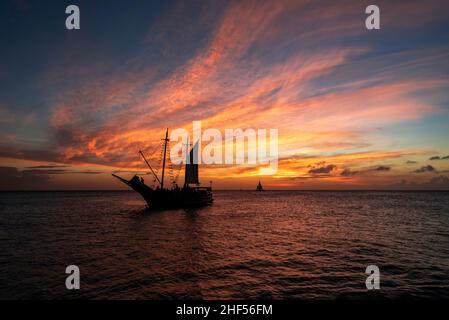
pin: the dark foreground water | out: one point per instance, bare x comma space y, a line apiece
297, 245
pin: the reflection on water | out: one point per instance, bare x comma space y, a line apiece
301, 245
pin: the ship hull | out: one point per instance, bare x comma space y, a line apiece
179, 198
187, 197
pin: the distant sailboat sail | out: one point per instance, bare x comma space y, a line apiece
259, 187
191, 173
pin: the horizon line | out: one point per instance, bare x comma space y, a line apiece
265, 190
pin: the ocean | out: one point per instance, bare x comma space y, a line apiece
247, 245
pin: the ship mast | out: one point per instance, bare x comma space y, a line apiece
163, 161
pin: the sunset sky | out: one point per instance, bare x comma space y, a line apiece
355, 109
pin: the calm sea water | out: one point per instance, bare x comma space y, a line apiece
296, 245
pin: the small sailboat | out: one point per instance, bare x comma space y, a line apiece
259, 187
160, 197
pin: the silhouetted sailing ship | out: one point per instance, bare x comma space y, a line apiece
259, 187
190, 195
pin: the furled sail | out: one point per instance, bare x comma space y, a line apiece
191, 173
